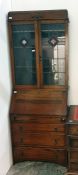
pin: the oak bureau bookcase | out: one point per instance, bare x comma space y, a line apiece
38, 43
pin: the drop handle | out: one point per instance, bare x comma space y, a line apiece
15, 92
63, 119
56, 129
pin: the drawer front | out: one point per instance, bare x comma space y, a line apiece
73, 156
73, 129
73, 142
37, 153
19, 128
38, 119
42, 139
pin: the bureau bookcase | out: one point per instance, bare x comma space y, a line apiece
38, 43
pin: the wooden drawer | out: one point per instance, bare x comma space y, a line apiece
37, 153
73, 141
73, 129
19, 128
73, 156
35, 138
37, 119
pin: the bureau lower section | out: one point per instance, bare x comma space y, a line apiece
37, 137
23, 153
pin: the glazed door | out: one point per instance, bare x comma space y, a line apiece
24, 55
52, 53
38, 54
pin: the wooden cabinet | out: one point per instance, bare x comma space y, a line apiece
39, 52
72, 137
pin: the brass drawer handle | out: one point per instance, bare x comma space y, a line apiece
55, 141
63, 119
15, 92
56, 129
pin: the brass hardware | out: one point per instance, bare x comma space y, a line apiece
63, 119
70, 121
56, 129
15, 92
10, 17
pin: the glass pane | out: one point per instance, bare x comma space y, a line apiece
53, 53
61, 50
24, 54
